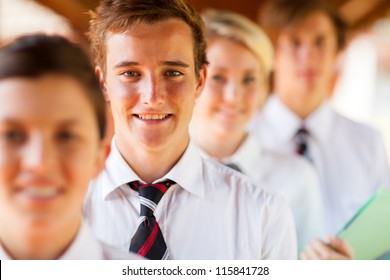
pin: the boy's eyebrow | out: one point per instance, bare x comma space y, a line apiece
19, 121
125, 64
176, 63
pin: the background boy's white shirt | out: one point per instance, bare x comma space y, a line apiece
349, 157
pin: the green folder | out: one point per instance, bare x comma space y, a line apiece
368, 232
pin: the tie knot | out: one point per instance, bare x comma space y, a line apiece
301, 140
150, 194
302, 131
233, 166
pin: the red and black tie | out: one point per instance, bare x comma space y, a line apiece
148, 240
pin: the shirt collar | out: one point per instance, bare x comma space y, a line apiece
280, 120
117, 172
187, 172
84, 246
319, 122
284, 123
245, 157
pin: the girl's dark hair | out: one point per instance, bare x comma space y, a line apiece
33, 56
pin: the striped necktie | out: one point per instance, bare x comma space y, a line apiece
148, 240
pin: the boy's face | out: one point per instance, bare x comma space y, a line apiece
151, 84
49, 151
305, 59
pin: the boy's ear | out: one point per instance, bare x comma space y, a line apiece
201, 80
99, 72
104, 152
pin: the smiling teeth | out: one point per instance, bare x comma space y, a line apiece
41, 192
152, 117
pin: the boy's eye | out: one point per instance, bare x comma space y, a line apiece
320, 41
130, 74
14, 136
173, 73
66, 136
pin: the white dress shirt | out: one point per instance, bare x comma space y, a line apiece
212, 212
292, 177
350, 158
86, 247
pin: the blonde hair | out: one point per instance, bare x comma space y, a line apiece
232, 26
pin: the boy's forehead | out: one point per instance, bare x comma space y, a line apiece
161, 30
315, 21
139, 28
159, 41
172, 32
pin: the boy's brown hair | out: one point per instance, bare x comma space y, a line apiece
276, 15
117, 16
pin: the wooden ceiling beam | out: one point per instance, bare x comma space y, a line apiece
247, 8
357, 13
354, 11
382, 10
72, 10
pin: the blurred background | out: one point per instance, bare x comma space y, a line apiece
361, 91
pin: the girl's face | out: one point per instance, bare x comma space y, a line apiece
49, 151
235, 88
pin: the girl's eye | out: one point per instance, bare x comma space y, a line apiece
218, 78
248, 80
296, 42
